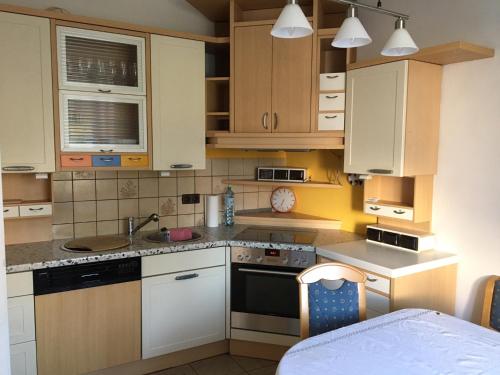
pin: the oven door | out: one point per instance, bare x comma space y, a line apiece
265, 298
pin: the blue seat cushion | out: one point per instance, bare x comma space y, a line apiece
331, 309
495, 307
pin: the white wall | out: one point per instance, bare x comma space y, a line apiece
467, 187
177, 15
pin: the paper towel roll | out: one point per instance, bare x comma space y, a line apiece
212, 211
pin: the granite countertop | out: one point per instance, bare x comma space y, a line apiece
38, 255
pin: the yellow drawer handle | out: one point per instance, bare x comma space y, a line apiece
135, 159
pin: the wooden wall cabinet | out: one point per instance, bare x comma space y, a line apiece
27, 131
178, 100
273, 79
392, 119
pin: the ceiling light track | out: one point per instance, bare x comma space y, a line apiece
381, 10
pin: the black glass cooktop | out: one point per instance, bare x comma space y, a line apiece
278, 235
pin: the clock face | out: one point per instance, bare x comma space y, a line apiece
283, 199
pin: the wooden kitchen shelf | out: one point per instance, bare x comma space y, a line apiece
311, 184
217, 113
217, 78
289, 219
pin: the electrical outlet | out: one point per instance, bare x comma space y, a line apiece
190, 198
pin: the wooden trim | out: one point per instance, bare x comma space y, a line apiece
311, 184
180, 358
488, 300
442, 54
104, 29
328, 271
108, 23
149, 101
257, 350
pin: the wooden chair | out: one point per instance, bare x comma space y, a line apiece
332, 295
491, 306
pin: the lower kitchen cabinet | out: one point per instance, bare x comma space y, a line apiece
183, 310
23, 358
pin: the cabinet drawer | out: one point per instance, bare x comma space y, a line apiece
377, 302
134, 160
332, 102
332, 81
23, 358
21, 319
35, 210
76, 161
106, 161
10, 212
331, 121
389, 211
19, 284
178, 262
378, 283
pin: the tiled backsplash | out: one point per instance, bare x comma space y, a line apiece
90, 203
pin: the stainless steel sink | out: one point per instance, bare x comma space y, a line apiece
162, 237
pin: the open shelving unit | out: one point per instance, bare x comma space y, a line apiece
217, 87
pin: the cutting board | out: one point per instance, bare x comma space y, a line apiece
99, 243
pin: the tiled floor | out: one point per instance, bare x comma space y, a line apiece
224, 365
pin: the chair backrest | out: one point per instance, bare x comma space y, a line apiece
323, 308
491, 305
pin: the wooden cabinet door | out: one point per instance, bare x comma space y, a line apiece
182, 310
292, 80
178, 96
27, 129
253, 79
375, 119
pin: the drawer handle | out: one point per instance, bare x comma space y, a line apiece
106, 150
106, 160
380, 171
264, 120
187, 277
332, 97
374, 208
275, 121
135, 159
6, 210
36, 209
399, 212
330, 117
104, 91
332, 77
18, 168
372, 280
76, 159
181, 166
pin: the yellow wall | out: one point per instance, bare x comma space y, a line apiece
345, 204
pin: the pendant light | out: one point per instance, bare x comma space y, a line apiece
352, 33
400, 43
292, 23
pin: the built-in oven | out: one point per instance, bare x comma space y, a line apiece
264, 289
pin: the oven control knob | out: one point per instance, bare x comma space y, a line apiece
259, 259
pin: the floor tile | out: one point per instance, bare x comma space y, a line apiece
221, 365
181, 370
264, 371
249, 364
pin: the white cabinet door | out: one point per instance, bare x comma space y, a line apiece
27, 129
375, 119
178, 97
23, 358
21, 319
182, 310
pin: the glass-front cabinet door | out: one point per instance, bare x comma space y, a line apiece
101, 62
102, 123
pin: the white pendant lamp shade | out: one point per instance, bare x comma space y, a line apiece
400, 43
352, 33
292, 23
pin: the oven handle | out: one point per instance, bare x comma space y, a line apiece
268, 272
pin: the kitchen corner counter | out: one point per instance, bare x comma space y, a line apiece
384, 260
39, 255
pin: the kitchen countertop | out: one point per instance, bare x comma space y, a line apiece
39, 255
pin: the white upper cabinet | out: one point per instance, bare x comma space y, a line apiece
375, 119
178, 101
27, 128
101, 62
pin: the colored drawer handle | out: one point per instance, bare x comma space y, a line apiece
380, 171
332, 77
134, 159
181, 166
332, 97
399, 212
7, 210
372, 280
374, 208
36, 209
76, 159
186, 277
330, 117
106, 150
18, 168
106, 160
104, 91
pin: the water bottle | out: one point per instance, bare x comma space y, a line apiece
229, 207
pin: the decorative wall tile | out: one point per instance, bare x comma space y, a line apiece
84, 175
167, 187
128, 188
107, 227
85, 211
185, 185
220, 167
85, 229
168, 206
107, 210
62, 191
148, 206
148, 187
106, 189
62, 213
83, 190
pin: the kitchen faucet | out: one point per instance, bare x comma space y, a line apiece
133, 230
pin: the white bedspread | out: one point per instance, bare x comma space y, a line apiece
405, 342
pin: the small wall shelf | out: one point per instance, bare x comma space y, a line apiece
312, 184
